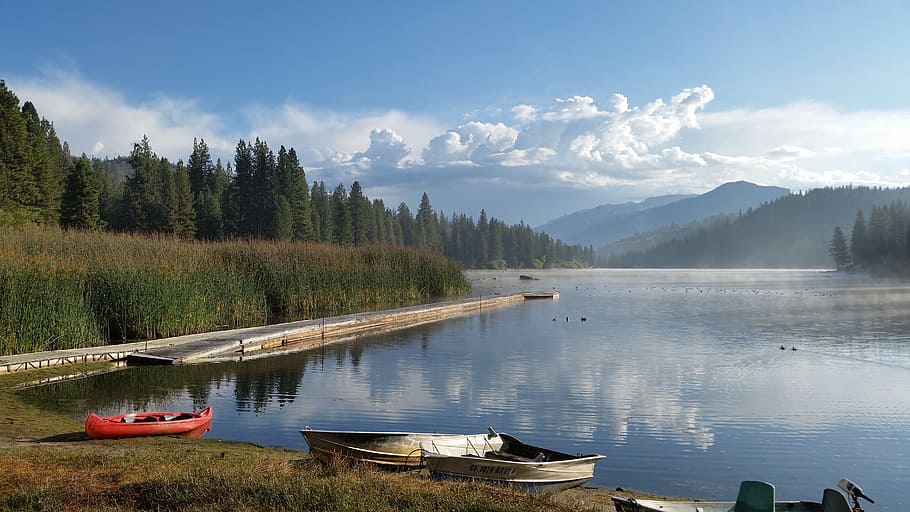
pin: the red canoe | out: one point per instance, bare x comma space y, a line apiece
140, 424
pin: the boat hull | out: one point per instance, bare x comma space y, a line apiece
635, 505
184, 424
496, 460
389, 450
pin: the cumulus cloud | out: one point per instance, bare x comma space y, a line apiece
579, 132
469, 144
386, 147
524, 112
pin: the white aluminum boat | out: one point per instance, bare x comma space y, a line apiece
390, 450
503, 459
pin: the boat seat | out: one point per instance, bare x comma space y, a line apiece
754, 496
834, 501
500, 455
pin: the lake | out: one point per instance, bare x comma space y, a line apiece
676, 376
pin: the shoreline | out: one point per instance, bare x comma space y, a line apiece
50, 453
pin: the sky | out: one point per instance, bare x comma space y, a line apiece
527, 109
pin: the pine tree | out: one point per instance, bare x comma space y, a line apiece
110, 196
199, 168
481, 239
237, 200
877, 233
293, 185
184, 218
17, 189
406, 223
316, 212
79, 204
381, 231
343, 232
46, 164
359, 212
326, 214
208, 216
838, 249
428, 224
145, 190
858, 242
284, 219
264, 206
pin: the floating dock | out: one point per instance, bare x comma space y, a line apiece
251, 342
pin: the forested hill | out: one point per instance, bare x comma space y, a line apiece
603, 225
262, 194
793, 231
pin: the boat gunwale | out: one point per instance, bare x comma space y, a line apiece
656, 505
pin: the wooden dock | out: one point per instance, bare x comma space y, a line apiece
238, 344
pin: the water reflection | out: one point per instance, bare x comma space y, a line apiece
676, 376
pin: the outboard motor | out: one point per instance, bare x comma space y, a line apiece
854, 492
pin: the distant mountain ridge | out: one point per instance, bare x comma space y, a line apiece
793, 231
607, 223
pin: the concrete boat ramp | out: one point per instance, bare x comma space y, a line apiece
252, 342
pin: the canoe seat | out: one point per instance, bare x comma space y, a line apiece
834, 501
754, 496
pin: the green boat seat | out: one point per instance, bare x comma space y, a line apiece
834, 501
754, 497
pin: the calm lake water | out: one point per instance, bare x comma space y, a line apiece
676, 376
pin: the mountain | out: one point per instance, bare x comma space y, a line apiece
607, 223
793, 231
640, 242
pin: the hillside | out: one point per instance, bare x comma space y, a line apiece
648, 239
793, 231
608, 223
573, 226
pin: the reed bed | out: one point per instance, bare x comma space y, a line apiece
68, 289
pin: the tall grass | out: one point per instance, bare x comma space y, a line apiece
73, 289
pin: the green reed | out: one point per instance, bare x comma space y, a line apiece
65, 289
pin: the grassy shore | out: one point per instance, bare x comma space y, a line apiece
49, 464
69, 289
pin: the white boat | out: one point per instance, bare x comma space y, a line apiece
753, 496
503, 459
637, 505
390, 450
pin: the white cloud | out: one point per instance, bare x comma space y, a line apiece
473, 142
524, 112
606, 149
326, 138
386, 147
576, 107
92, 118
788, 152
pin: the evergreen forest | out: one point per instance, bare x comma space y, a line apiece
260, 195
793, 231
881, 244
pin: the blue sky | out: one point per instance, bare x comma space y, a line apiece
528, 109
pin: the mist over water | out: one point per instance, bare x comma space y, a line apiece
676, 376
